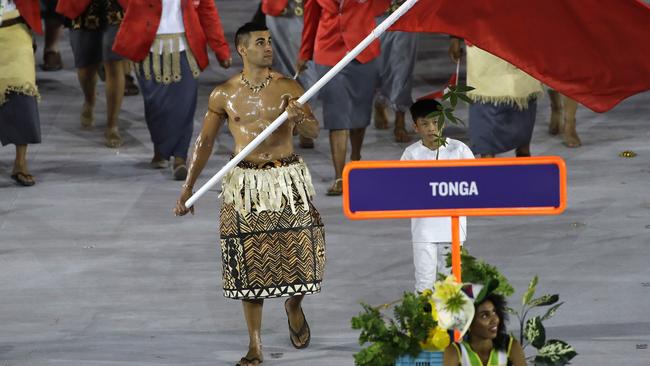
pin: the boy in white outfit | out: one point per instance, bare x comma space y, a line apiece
431, 236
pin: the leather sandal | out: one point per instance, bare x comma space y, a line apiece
52, 61
23, 179
336, 189
302, 331
249, 360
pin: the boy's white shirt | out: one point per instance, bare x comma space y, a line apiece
437, 229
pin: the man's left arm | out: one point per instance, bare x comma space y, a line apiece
211, 24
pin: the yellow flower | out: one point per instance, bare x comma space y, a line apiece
437, 340
434, 312
440, 338
444, 290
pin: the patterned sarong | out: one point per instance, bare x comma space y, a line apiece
278, 250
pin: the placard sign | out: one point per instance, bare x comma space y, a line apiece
481, 187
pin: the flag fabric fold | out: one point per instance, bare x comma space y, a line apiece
594, 51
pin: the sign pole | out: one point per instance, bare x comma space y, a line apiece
455, 247
455, 257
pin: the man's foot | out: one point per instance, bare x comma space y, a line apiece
87, 118
523, 152
23, 178
401, 135
336, 189
158, 162
381, 119
179, 170
306, 143
52, 61
570, 134
112, 138
554, 124
301, 337
253, 358
129, 86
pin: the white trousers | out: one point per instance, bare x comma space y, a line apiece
429, 260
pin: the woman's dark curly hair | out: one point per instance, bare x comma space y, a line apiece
499, 302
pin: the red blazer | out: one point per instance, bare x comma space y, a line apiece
202, 26
334, 27
274, 7
30, 10
73, 8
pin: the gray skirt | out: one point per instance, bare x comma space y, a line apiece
92, 47
19, 120
494, 129
347, 98
169, 110
396, 65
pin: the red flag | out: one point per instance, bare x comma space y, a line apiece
440, 93
594, 51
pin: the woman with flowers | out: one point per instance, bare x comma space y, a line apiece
487, 342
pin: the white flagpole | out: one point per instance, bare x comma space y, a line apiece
381, 28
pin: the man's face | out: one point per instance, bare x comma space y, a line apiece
427, 128
257, 49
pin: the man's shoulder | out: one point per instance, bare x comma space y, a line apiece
411, 149
224, 88
456, 144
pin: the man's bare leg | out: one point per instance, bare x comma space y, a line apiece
338, 147
571, 138
556, 112
356, 141
114, 95
296, 319
401, 135
20, 166
88, 80
51, 54
523, 151
253, 316
381, 119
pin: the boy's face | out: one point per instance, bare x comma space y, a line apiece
427, 128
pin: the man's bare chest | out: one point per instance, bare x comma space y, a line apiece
246, 106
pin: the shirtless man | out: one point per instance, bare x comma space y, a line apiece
272, 237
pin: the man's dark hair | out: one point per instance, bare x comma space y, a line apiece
243, 33
500, 304
422, 108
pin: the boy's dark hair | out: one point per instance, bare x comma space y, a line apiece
500, 304
243, 33
422, 108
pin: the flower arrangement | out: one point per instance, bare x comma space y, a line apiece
421, 321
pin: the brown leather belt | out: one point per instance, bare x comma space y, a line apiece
13, 21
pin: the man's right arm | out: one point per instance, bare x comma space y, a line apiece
203, 146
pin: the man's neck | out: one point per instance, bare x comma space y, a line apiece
255, 74
431, 145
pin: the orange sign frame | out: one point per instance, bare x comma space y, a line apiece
517, 211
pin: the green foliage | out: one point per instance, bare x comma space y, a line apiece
446, 111
532, 331
474, 270
530, 292
554, 352
388, 339
535, 332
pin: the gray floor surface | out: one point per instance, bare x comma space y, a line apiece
95, 270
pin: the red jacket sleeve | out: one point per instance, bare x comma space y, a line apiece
30, 10
379, 7
211, 24
273, 7
311, 18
